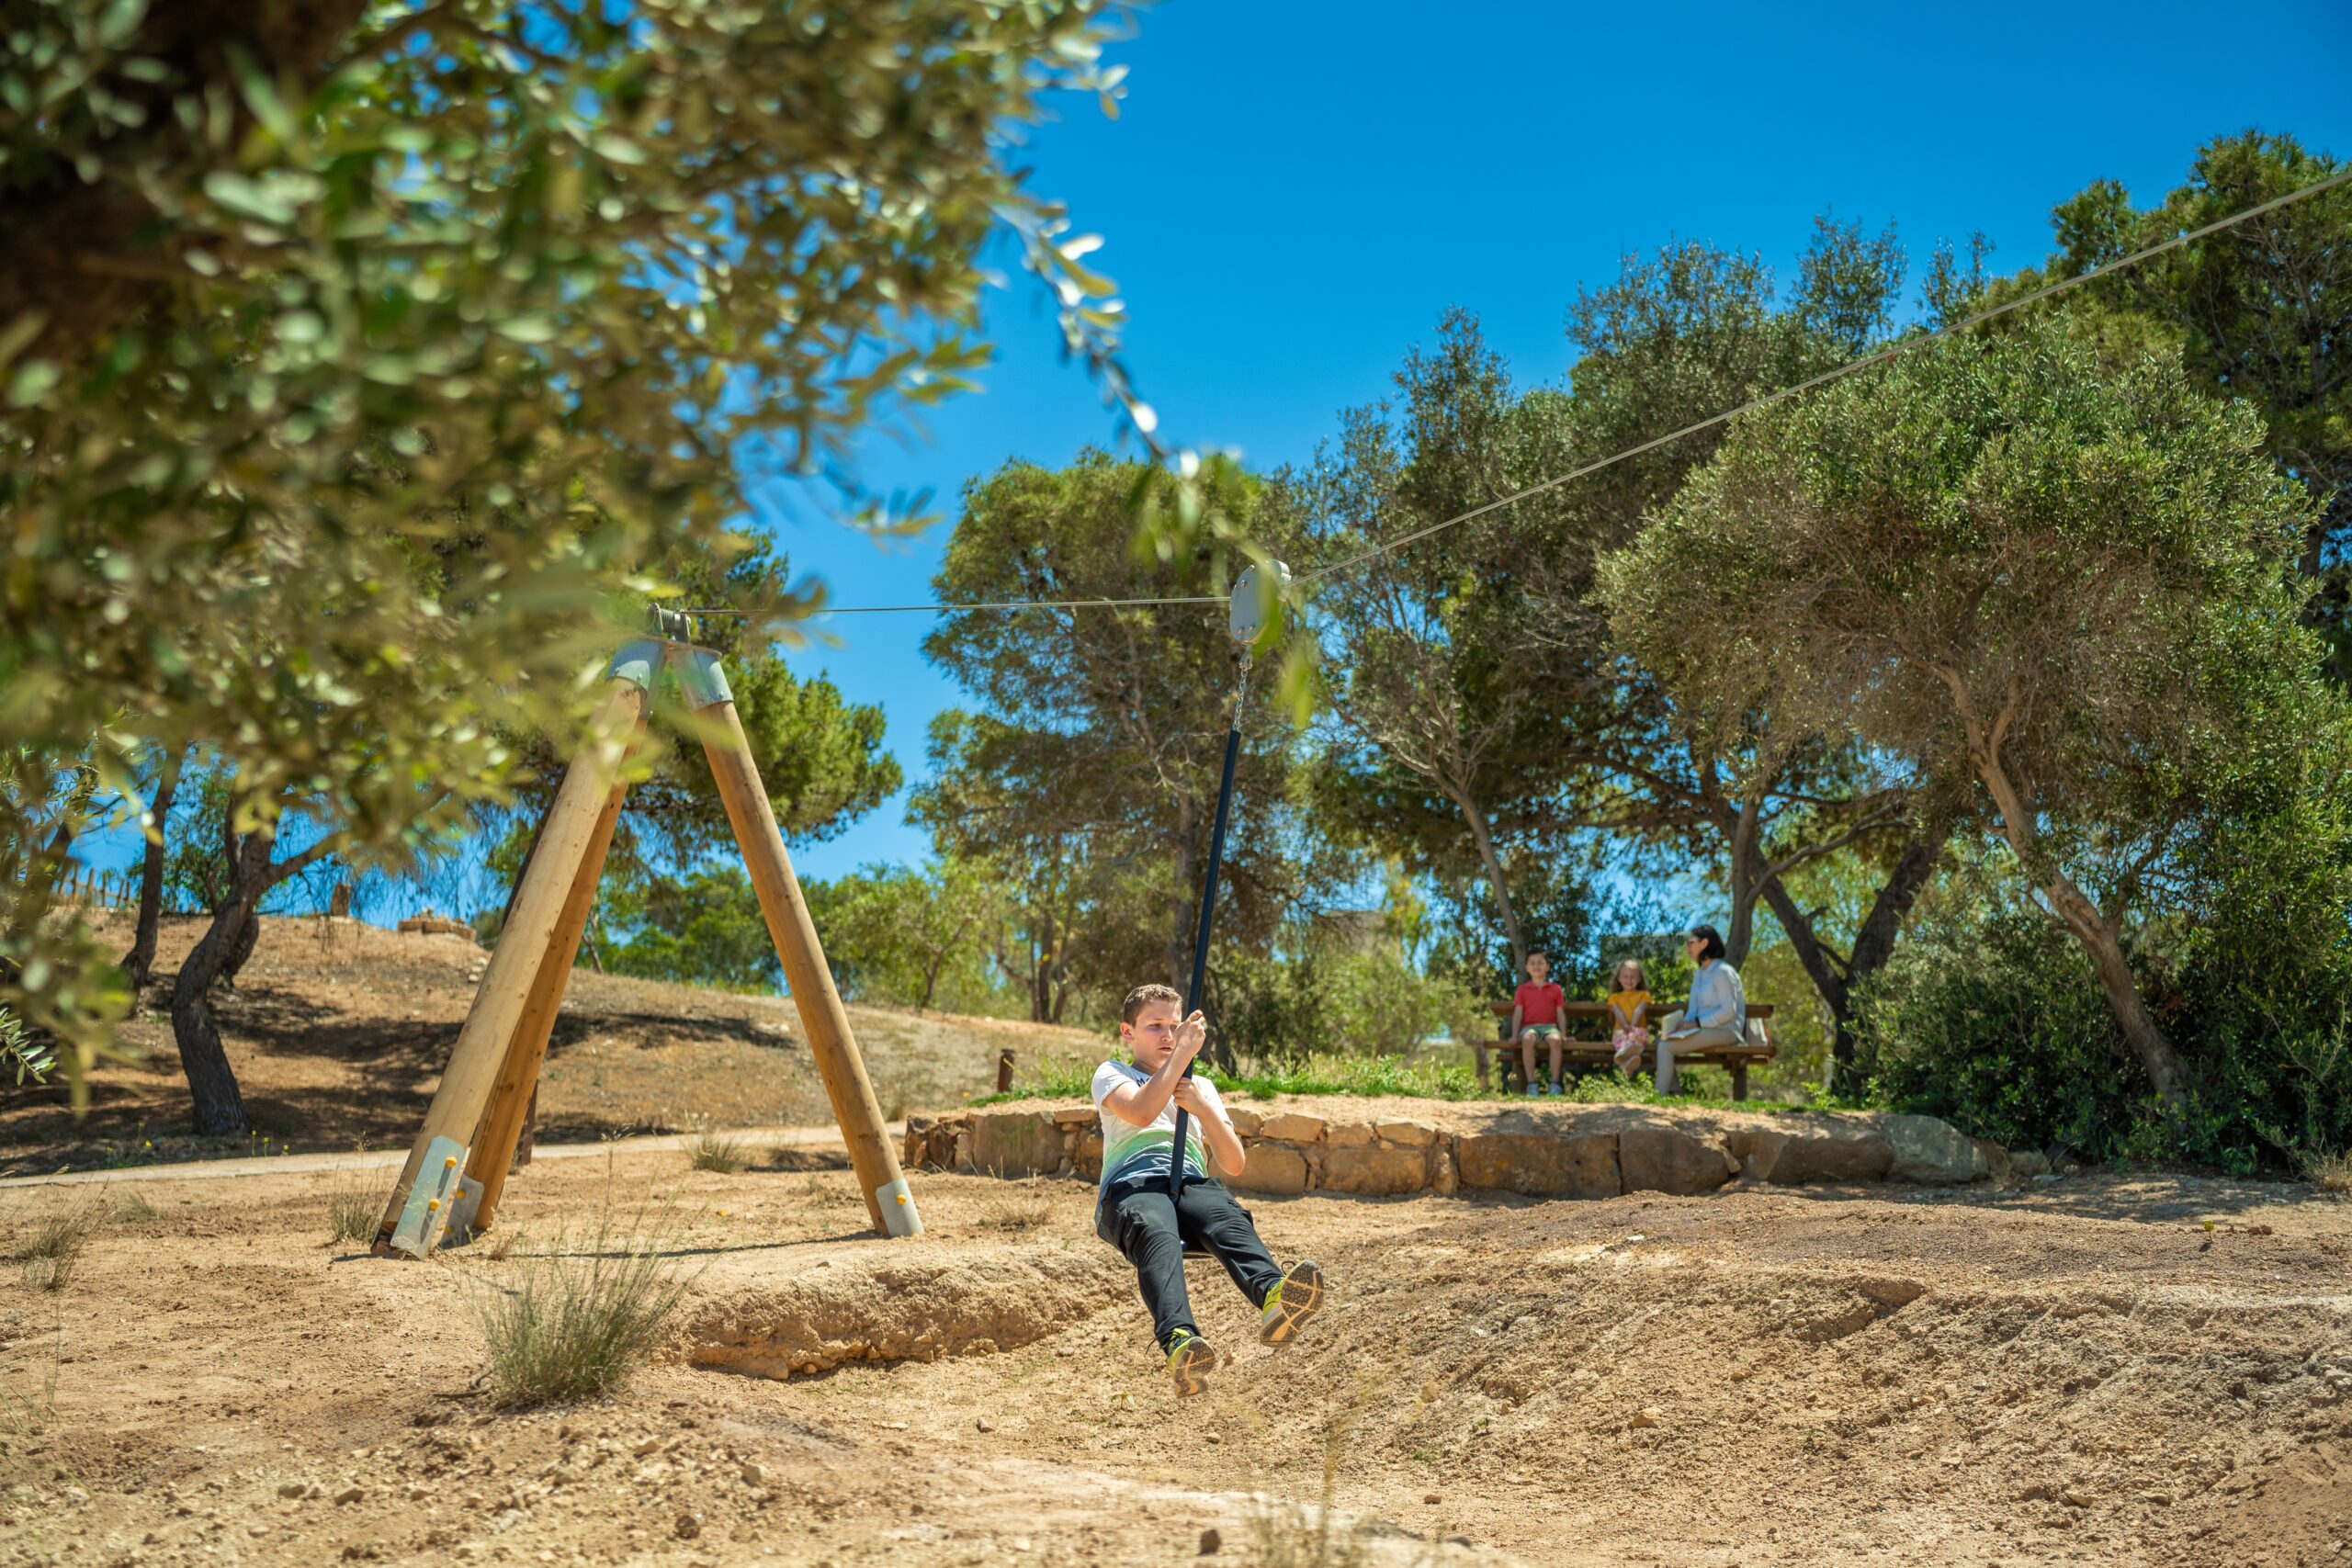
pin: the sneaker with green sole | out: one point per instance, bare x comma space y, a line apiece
1291, 1302
1190, 1361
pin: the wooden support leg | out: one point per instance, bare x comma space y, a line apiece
822, 1017
494, 1142
1738, 1078
474, 1062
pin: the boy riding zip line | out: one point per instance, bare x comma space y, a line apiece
1137, 1103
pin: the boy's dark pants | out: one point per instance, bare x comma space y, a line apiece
1150, 1232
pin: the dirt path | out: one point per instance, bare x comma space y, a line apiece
753, 1140
2154, 1371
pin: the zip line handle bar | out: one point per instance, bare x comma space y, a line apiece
1255, 601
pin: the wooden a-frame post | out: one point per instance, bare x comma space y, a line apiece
806, 972
423, 1199
493, 1152
450, 1187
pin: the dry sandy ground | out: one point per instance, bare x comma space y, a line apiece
338, 1033
2150, 1372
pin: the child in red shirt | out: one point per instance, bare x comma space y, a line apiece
1536, 1015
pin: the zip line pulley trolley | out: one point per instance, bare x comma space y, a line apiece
449, 1188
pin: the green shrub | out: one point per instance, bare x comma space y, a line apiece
1994, 1022
1278, 1011
1997, 1026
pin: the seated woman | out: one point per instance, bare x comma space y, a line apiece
1716, 1013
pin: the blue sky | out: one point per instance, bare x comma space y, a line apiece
1294, 192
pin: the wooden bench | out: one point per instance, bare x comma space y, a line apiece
1584, 1043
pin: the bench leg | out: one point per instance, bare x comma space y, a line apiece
1479, 1052
1739, 1080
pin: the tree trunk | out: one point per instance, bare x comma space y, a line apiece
248, 937
1743, 834
1041, 981
1837, 980
219, 1107
2140, 1031
1497, 881
142, 956
2086, 923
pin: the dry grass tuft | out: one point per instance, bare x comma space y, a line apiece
55, 1249
1284, 1534
1024, 1207
711, 1150
2330, 1173
577, 1322
352, 1212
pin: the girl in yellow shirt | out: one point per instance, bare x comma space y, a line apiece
1629, 1015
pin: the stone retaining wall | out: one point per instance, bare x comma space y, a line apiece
1389, 1148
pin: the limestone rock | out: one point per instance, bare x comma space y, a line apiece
1347, 1135
1292, 1127
1275, 1169
1370, 1171
2027, 1163
1541, 1166
1245, 1122
1932, 1153
1406, 1135
1997, 1161
1016, 1143
1672, 1159
1088, 1162
1815, 1149
1076, 1116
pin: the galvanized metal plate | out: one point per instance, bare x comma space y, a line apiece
427, 1213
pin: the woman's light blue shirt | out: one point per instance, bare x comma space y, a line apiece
1717, 1000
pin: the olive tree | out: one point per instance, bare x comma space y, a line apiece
2008, 558
355, 357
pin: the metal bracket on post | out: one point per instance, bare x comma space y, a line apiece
701, 677
637, 662
427, 1213
896, 1202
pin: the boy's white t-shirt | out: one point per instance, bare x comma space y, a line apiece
1130, 1152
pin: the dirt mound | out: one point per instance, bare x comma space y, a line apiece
2152, 1371
2121, 1414
884, 1309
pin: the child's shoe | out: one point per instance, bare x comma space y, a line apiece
1291, 1302
1534, 1090
1190, 1361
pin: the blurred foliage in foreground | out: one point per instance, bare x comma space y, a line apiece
357, 359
